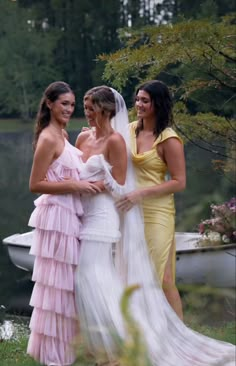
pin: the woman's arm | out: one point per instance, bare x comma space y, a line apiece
173, 155
117, 157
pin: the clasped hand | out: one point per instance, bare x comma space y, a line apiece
128, 201
84, 186
90, 187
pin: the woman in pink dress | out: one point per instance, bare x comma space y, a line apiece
56, 175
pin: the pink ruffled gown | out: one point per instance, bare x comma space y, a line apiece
56, 220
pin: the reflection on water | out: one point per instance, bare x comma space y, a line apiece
18, 300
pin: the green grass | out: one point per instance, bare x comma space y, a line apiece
211, 313
16, 125
14, 352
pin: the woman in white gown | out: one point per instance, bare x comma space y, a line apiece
100, 283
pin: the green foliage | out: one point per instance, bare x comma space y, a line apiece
41, 41
197, 59
26, 65
210, 9
83, 31
199, 44
133, 350
210, 132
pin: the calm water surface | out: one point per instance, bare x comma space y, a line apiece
16, 204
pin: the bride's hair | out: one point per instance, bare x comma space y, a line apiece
102, 97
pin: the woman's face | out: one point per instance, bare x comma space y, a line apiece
89, 112
62, 109
143, 105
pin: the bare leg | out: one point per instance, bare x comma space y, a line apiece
170, 289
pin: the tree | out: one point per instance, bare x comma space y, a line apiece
211, 9
84, 31
198, 59
25, 61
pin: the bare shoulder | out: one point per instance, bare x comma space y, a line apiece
172, 143
173, 150
116, 139
83, 136
46, 140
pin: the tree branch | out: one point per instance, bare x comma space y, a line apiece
221, 82
229, 122
216, 132
202, 147
232, 59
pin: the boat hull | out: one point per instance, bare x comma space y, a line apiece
212, 266
18, 246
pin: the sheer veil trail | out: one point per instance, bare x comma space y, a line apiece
169, 341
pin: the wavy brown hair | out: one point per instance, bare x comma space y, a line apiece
103, 97
161, 99
52, 93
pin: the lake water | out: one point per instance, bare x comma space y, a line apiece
16, 204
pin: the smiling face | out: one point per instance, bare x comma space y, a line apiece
89, 111
62, 108
99, 106
144, 105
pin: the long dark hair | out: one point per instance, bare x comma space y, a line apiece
52, 93
162, 101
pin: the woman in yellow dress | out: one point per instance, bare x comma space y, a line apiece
157, 151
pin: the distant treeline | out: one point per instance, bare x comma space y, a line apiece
46, 40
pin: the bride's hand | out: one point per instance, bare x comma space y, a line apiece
128, 201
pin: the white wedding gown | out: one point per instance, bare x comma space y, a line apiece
100, 284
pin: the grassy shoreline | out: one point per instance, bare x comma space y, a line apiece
17, 125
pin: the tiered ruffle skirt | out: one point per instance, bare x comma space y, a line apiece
54, 321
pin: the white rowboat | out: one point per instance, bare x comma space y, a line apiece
213, 266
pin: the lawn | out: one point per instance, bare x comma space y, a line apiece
14, 352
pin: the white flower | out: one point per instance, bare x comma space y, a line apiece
214, 236
225, 239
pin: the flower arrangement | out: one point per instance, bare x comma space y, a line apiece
220, 229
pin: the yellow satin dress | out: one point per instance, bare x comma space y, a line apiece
159, 212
